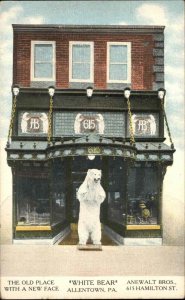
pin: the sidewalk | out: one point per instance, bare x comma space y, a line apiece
57, 260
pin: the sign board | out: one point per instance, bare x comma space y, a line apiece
89, 123
33, 123
84, 122
145, 125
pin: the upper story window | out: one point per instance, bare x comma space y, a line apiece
118, 62
81, 62
42, 61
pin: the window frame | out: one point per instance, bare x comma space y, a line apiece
128, 44
33, 78
91, 44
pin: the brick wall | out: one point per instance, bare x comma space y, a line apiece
143, 57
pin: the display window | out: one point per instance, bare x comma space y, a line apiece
143, 195
32, 201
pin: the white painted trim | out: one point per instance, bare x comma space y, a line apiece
39, 241
143, 241
91, 79
33, 43
128, 44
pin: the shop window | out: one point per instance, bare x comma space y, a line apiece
118, 62
42, 61
58, 193
32, 205
81, 62
116, 192
143, 196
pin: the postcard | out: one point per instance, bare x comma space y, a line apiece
92, 149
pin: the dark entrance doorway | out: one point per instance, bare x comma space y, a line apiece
72, 172
76, 170
67, 176
113, 181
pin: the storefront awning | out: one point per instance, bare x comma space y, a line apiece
89, 145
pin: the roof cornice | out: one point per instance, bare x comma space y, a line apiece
81, 91
89, 28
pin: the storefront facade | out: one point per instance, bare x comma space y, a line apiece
57, 134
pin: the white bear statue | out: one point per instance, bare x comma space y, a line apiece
91, 195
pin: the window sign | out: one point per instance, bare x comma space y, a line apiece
43, 61
81, 61
119, 62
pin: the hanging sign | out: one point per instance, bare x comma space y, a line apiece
89, 123
32, 122
145, 124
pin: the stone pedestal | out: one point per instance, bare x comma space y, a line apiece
90, 247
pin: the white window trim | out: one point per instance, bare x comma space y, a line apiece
128, 44
33, 43
91, 79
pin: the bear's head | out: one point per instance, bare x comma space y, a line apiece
94, 175
91, 189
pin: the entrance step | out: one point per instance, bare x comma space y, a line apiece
72, 238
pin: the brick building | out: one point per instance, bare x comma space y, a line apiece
58, 130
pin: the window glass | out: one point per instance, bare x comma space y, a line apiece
81, 53
43, 70
33, 207
143, 196
81, 70
118, 72
118, 54
43, 53
116, 191
43, 61
59, 207
58, 192
81, 62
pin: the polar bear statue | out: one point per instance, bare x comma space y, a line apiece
91, 195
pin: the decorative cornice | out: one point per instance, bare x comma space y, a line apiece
82, 91
89, 28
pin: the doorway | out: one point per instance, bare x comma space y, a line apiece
113, 181
76, 172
